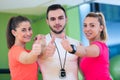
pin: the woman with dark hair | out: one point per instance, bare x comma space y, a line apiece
22, 62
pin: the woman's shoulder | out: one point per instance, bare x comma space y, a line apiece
99, 43
16, 48
102, 45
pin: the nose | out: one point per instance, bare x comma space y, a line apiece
87, 28
57, 21
29, 32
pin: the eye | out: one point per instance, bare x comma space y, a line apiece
23, 30
30, 29
92, 25
52, 19
61, 18
85, 25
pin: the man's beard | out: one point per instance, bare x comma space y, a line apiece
57, 32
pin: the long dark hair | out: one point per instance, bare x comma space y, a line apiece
12, 25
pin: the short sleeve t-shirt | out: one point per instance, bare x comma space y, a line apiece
96, 68
51, 66
19, 71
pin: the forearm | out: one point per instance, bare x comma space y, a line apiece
28, 58
81, 51
88, 51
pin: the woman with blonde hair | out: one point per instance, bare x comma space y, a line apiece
94, 62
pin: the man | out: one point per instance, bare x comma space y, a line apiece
55, 62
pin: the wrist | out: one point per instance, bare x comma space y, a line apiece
74, 49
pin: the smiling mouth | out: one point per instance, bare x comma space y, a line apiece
87, 34
28, 37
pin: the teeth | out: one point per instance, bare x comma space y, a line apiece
88, 34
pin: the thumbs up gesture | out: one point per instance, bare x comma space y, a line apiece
65, 43
50, 48
36, 47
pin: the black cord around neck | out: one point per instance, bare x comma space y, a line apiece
62, 66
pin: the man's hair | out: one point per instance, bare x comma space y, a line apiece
55, 7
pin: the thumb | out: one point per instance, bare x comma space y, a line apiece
63, 36
38, 38
53, 40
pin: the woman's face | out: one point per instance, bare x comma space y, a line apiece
92, 28
23, 32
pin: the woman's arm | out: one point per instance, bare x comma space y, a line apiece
88, 51
28, 58
81, 51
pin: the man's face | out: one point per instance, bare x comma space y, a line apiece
56, 20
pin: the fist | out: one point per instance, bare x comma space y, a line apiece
36, 48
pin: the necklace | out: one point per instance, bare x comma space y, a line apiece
62, 73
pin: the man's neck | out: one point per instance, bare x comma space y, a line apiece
57, 35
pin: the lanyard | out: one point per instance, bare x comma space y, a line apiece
62, 66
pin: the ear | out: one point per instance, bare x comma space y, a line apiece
13, 32
101, 28
66, 19
47, 21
